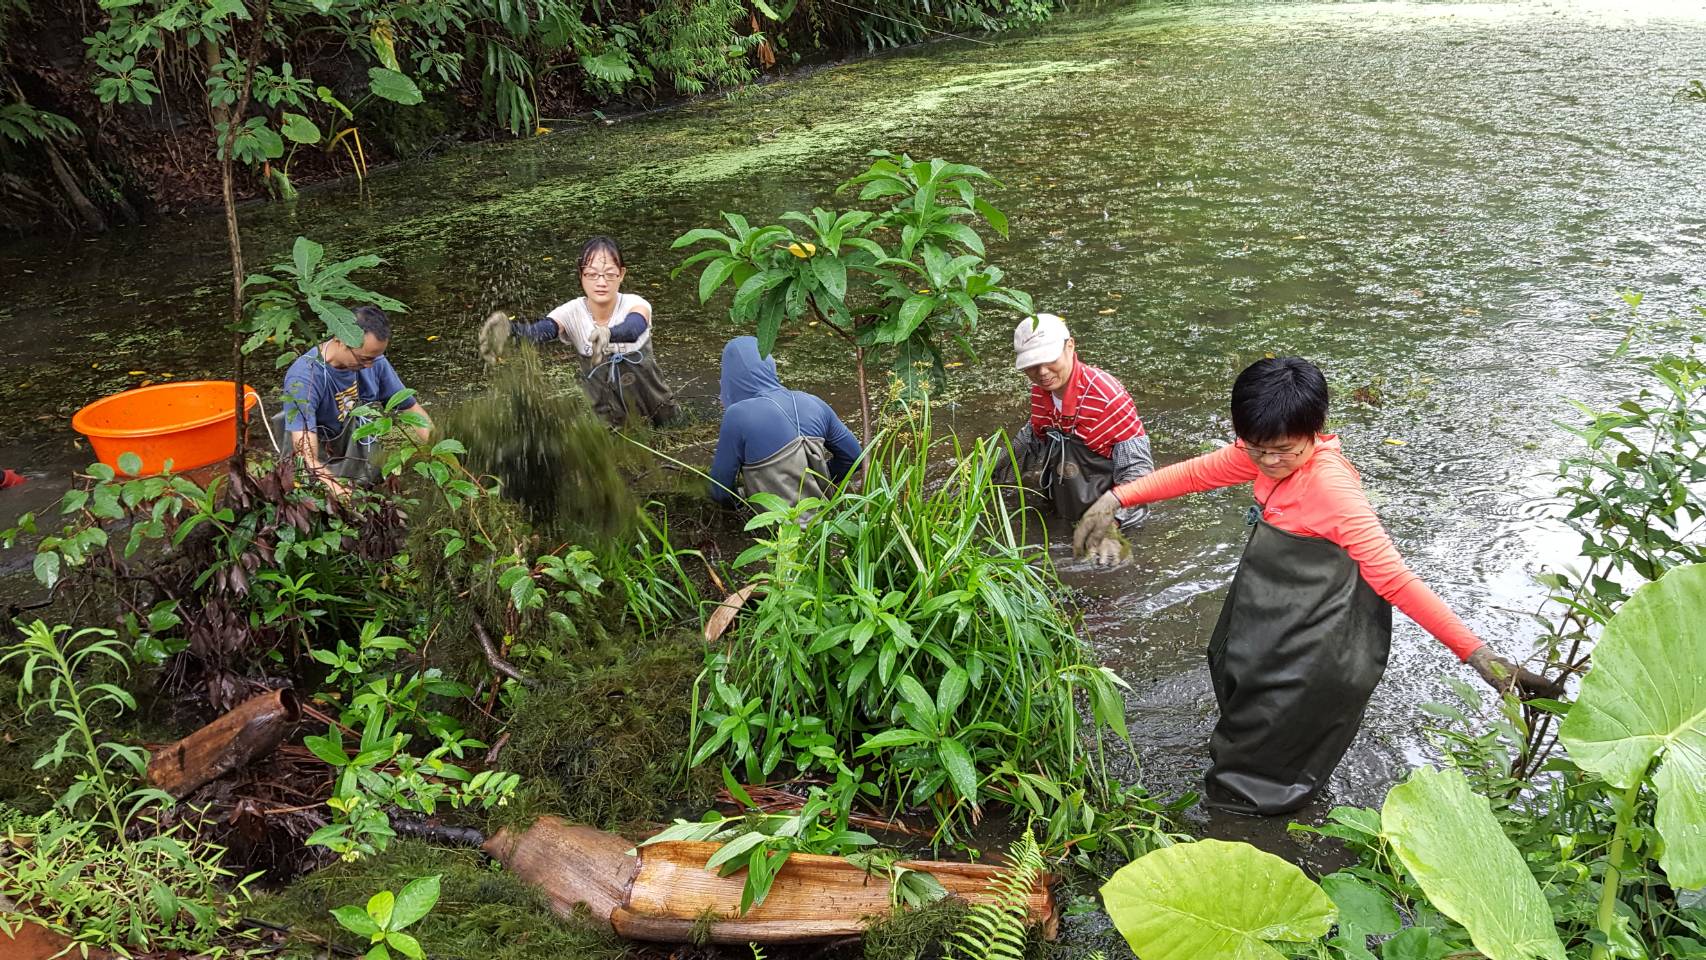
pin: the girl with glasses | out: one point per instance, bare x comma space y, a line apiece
1303, 636
611, 331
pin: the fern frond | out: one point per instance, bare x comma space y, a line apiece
995, 928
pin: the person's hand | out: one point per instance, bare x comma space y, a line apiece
494, 336
1506, 677
599, 340
334, 487
1096, 524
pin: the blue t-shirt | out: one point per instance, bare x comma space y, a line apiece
319, 396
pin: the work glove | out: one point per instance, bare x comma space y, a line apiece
599, 340
494, 336
1502, 675
1109, 553
1096, 525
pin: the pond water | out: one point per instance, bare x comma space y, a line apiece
1437, 202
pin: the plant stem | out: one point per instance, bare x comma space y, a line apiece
1613, 878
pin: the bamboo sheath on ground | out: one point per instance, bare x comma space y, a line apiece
661, 894
252, 730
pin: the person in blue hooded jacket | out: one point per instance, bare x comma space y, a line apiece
774, 439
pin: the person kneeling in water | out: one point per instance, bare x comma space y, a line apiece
776, 440
1303, 636
609, 329
1084, 430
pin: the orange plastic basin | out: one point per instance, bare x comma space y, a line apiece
190, 424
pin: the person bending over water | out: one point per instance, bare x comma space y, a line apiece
1303, 636
322, 388
776, 440
1084, 432
610, 330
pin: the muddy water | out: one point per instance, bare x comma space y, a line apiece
1437, 202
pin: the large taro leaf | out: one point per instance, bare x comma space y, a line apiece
1448, 840
1214, 899
1645, 699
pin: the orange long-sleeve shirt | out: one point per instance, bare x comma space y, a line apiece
1322, 498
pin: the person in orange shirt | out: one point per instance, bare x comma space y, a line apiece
1303, 637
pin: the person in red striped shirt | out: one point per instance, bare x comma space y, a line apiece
1084, 433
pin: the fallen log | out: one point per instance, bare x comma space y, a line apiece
663, 892
253, 729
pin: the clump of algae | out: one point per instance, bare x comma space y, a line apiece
543, 444
602, 740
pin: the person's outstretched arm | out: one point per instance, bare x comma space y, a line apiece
1349, 521
1226, 467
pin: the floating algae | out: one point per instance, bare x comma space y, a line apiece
545, 447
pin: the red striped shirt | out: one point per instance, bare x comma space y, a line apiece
1094, 408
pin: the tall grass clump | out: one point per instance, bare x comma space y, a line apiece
906, 642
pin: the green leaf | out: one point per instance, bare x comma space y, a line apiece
716, 273
393, 86
305, 255
328, 749
1448, 840
737, 847
995, 218
406, 945
1644, 701
962, 773
355, 920
47, 567
613, 66
130, 464
299, 129
1214, 899
415, 901
832, 273
893, 738
380, 907
950, 693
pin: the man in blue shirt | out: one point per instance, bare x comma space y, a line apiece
324, 385
776, 440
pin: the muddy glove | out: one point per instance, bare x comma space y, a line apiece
494, 336
1109, 553
1501, 674
1096, 525
599, 339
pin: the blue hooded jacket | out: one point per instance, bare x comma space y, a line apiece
758, 419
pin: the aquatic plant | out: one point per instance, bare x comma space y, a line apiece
905, 277
103, 867
905, 640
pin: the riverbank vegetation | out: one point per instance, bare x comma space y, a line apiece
112, 112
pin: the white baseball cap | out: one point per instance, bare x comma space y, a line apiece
1039, 339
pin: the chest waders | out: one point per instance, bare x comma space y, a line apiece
1073, 475
1300, 645
623, 384
345, 457
797, 471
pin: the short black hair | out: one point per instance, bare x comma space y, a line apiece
372, 320
1279, 398
604, 245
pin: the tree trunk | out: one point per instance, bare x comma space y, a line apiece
864, 397
86, 209
231, 116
